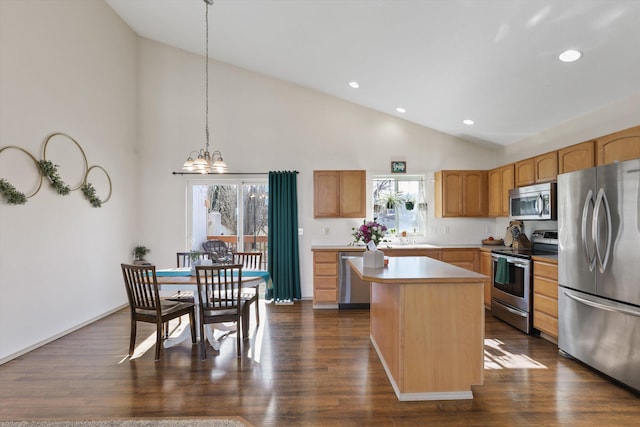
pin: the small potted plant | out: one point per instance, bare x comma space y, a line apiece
138, 254
392, 200
409, 203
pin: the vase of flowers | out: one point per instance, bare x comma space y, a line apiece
368, 231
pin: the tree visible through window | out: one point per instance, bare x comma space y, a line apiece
399, 204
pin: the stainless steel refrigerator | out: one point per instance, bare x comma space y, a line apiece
599, 268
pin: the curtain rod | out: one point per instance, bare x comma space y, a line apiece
218, 173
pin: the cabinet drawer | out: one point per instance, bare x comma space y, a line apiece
328, 282
465, 265
545, 323
325, 257
542, 269
458, 256
545, 305
325, 295
546, 287
325, 269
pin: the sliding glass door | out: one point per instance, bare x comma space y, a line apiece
234, 211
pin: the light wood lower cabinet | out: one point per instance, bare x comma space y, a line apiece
465, 258
486, 268
545, 297
325, 277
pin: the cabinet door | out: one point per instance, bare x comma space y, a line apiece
448, 193
326, 194
508, 182
353, 194
474, 187
576, 157
525, 174
339, 194
546, 167
619, 146
486, 268
495, 192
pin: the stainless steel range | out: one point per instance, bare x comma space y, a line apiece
511, 290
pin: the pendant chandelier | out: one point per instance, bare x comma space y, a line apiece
205, 161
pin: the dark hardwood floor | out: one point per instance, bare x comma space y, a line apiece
303, 367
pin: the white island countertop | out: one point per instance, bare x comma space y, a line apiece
416, 269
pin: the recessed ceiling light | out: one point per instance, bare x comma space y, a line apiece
401, 110
354, 84
570, 55
468, 122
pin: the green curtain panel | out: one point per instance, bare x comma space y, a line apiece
283, 259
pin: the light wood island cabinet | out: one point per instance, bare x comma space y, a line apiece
545, 297
427, 327
339, 194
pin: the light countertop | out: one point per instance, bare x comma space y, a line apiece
416, 270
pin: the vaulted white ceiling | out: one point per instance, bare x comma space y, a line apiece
493, 61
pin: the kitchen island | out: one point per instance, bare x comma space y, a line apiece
427, 326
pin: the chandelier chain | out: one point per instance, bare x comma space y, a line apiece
206, 58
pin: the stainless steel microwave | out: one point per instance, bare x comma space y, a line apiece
534, 202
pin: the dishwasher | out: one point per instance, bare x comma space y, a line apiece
353, 292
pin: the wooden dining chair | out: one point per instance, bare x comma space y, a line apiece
219, 299
185, 259
147, 306
250, 261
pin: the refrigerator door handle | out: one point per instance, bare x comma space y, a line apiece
601, 306
596, 229
590, 258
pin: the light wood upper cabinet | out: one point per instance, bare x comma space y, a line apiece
495, 192
619, 146
576, 157
507, 173
524, 173
461, 193
546, 167
339, 194
500, 182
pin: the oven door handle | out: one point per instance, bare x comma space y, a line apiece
515, 261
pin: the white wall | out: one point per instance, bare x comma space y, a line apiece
65, 66
261, 124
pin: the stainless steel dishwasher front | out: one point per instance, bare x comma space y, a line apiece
353, 292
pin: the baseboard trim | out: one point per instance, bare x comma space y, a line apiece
59, 335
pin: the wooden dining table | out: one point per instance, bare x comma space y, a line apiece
180, 279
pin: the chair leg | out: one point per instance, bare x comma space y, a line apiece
203, 346
257, 309
245, 320
132, 340
238, 339
192, 321
159, 327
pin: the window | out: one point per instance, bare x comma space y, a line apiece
232, 211
399, 204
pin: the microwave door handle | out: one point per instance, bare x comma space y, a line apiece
596, 230
539, 205
590, 258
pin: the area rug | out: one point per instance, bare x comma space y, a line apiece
138, 422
